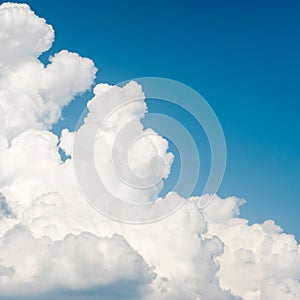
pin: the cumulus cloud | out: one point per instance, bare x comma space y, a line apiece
54, 245
31, 94
78, 262
23, 35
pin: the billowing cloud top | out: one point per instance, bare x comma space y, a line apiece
32, 95
54, 245
23, 35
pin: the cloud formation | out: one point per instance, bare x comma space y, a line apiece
31, 94
54, 245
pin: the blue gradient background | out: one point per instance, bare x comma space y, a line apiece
242, 56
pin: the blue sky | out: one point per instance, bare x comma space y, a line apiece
242, 56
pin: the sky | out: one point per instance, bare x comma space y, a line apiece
242, 56
63, 187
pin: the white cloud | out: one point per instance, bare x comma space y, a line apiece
77, 262
32, 95
23, 35
52, 242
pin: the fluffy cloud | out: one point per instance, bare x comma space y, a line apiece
23, 35
54, 245
31, 94
78, 262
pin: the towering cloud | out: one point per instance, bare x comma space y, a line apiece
55, 245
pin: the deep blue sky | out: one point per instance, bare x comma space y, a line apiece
242, 56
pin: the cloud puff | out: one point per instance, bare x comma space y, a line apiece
78, 262
31, 94
23, 35
121, 129
54, 245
